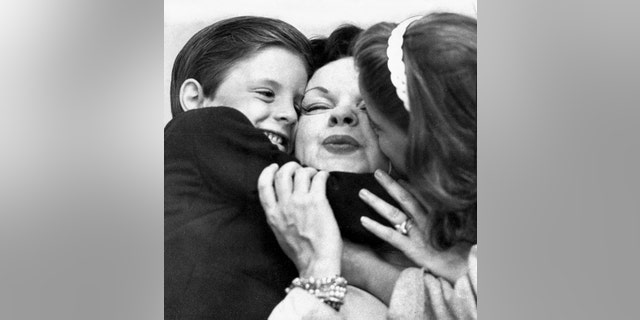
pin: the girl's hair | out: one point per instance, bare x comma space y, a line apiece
210, 53
440, 57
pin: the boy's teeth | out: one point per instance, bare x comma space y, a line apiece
275, 139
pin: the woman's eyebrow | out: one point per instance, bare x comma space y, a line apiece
322, 89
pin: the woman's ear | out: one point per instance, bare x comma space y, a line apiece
191, 95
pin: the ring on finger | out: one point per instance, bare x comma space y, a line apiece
404, 227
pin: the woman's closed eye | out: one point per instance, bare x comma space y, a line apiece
315, 108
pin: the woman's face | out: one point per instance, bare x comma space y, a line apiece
333, 130
392, 140
265, 88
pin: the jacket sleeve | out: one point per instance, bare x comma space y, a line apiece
299, 304
342, 193
358, 305
218, 150
420, 295
221, 146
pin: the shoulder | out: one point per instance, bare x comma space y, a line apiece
199, 119
209, 127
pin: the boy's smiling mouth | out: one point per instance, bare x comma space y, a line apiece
277, 139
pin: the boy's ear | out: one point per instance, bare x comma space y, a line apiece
191, 95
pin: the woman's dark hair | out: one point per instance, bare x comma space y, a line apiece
440, 55
338, 45
210, 53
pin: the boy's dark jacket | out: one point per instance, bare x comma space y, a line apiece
221, 259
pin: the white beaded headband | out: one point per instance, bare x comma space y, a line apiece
395, 63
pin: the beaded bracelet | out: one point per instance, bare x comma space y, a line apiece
331, 290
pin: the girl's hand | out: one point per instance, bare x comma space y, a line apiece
450, 264
301, 218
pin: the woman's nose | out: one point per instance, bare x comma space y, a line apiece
343, 116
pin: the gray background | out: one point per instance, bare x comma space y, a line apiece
81, 225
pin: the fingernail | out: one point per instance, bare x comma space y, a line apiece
364, 193
364, 220
381, 175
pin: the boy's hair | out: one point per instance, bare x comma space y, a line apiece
338, 45
440, 55
210, 53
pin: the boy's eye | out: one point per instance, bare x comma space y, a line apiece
361, 106
266, 93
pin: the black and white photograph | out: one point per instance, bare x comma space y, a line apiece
320, 160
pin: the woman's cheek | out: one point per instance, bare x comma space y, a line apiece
303, 139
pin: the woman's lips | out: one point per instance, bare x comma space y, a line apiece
340, 144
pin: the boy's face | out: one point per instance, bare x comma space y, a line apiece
266, 88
